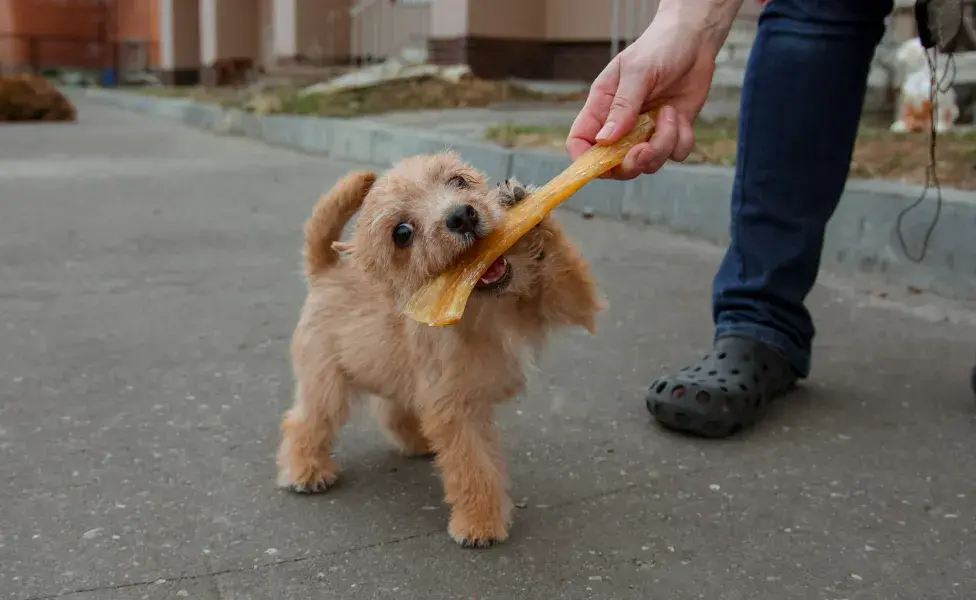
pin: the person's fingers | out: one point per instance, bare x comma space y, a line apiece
650, 156
589, 121
662, 143
582, 135
626, 169
632, 91
637, 159
576, 146
673, 138
686, 139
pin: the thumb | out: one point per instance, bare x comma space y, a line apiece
626, 105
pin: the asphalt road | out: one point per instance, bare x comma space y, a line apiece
150, 279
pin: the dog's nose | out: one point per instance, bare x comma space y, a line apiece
462, 219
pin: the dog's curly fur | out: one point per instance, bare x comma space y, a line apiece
435, 388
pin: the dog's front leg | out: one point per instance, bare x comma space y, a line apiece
475, 479
310, 426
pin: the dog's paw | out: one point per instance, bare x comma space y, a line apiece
469, 533
425, 455
309, 480
312, 487
512, 192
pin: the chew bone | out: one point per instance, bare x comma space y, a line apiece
442, 300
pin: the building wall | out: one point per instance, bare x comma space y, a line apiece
77, 26
509, 19
310, 31
73, 33
539, 39
179, 41
10, 49
323, 31
238, 29
448, 19
138, 22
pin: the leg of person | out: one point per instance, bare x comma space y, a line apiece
801, 104
972, 379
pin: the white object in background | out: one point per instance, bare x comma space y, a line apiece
914, 102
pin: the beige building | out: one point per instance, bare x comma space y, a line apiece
540, 39
199, 40
537, 39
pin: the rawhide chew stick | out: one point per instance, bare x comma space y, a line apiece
442, 300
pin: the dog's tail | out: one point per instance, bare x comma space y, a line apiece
330, 215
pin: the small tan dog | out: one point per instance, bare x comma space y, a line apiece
436, 388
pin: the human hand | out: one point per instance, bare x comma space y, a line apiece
669, 66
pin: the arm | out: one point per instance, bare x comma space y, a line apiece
712, 18
669, 66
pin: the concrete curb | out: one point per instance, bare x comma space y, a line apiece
693, 200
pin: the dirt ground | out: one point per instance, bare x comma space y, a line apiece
414, 94
878, 154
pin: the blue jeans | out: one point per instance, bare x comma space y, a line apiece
801, 104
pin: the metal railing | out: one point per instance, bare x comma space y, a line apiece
638, 17
375, 21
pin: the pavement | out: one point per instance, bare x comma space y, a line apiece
150, 279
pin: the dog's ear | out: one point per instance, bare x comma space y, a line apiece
570, 295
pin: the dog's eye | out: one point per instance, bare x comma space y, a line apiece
458, 181
403, 235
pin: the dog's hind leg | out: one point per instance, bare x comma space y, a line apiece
310, 426
403, 427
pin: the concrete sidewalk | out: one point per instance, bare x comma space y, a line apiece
150, 279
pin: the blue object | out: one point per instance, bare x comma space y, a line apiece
109, 78
802, 98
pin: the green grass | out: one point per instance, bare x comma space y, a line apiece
879, 154
510, 135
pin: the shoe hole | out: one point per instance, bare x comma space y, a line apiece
703, 398
724, 389
743, 387
681, 419
683, 369
722, 355
678, 392
734, 371
660, 387
765, 368
712, 373
715, 427
721, 380
696, 369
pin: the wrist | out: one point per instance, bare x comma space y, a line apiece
707, 20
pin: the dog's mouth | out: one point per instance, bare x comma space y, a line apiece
496, 276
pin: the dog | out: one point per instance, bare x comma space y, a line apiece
915, 103
435, 388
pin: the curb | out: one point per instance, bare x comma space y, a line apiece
692, 200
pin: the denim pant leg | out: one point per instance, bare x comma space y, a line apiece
801, 104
